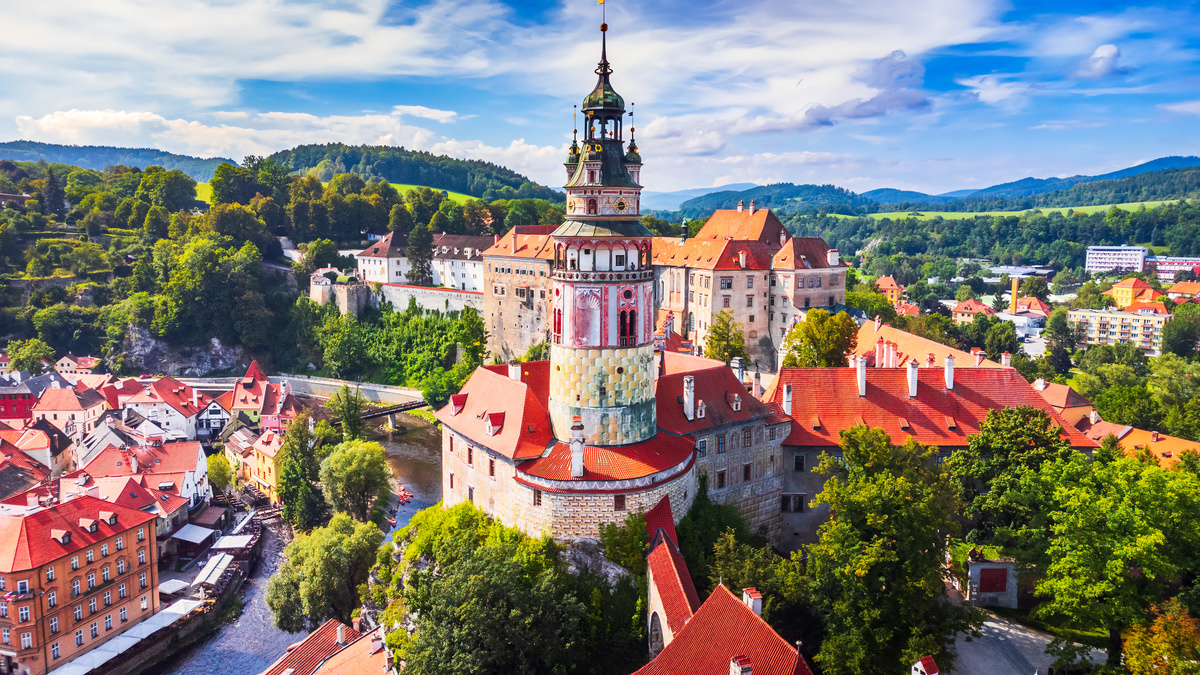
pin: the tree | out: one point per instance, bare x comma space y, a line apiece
400, 219
1001, 338
875, 575
323, 570
1180, 335
233, 185
725, 340
157, 224
301, 501
420, 256
53, 196
172, 190
999, 304
964, 292
822, 340
1035, 287
30, 355
220, 474
1123, 531
238, 222
353, 476
1129, 405
348, 407
1167, 644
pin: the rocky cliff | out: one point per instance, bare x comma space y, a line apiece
144, 353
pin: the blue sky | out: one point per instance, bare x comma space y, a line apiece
932, 95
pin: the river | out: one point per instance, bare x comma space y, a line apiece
252, 643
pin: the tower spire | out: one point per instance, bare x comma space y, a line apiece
603, 69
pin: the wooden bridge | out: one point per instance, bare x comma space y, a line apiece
389, 411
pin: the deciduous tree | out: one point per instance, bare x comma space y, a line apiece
725, 340
220, 474
30, 355
353, 476
822, 340
420, 256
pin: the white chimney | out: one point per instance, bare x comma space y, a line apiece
341, 634
195, 398
751, 207
861, 367
979, 356
1094, 417
912, 378
893, 356
514, 370
949, 372
739, 368
832, 257
787, 399
133, 462
577, 447
930, 360
31, 499
740, 206
879, 353
878, 323
1006, 360
689, 397
740, 665
752, 599
1039, 384
758, 388
742, 254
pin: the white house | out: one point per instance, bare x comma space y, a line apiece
172, 405
458, 261
384, 261
214, 417
178, 468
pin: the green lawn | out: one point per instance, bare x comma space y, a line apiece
204, 192
959, 215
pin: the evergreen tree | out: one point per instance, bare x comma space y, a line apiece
53, 196
420, 256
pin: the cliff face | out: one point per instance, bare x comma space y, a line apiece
144, 353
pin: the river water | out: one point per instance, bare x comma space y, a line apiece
251, 644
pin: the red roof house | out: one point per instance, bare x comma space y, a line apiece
304, 657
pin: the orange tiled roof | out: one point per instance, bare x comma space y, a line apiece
365, 656
803, 253
761, 226
674, 584
718, 387
1185, 288
973, 306
1131, 282
27, 532
175, 458
525, 432
1061, 395
721, 629
1156, 307
909, 346
174, 393
1166, 449
887, 284
826, 400
1032, 304
908, 309
711, 254
620, 462
525, 241
305, 656
68, 399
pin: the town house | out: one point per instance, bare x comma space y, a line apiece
516, 289
172, 405
75, 413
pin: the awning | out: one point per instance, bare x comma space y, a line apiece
233, 542
213, 569
209, 516
193, 534
173, 586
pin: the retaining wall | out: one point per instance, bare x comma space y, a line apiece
319, 387
441, 299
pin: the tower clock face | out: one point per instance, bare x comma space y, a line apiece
620, 206
570, 206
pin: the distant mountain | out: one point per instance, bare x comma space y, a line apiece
398, 165
99, 156
1166, 184
1035, 186
778, 196
958, 194
669, 201
894, 196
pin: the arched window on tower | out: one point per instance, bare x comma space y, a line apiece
623, 328
557, 326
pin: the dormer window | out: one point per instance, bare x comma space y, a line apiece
700, 410
457, 403
61, 536
737, 402
495, 422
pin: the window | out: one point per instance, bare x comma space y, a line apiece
451, 481
750, 301
52, 599
105, 574
537, 497
121, 591
2, 584
702, 447
4, 636
721, 444
91, 556
26, 640
470, 494
78, 612
95, 628
745, 472
22, 586
91, 578
107, 598
104, 550
92, 606
78, 638
793, 503
4, 609
23, 613
726, 283
798, 462
142, 557
491, 467
53, 625
124, 615
50, 573
54, 653
470, 456
747, 438
618, 502
721, 479
108, 622
141, 534
725, 301
144, 603
121, 566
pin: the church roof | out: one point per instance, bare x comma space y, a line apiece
612, 164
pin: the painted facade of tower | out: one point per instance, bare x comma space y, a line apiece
601, 352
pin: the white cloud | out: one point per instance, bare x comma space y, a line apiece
997, 90
1103, 62
1185, 107
442, 116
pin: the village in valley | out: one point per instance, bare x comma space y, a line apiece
369, 411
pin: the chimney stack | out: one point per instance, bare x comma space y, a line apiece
31, 498
1040, 384
689, 397
1006, 360
930, 360
741, 206
752, 599
751, 207
1094, 417
912, 378
787, 399
979, 356
833, 257
949, 372
879, 352
739, 368
341, 634
1012, 303
878, 324
577, 447
742, 254
758, 388
195, 398
740, 665
893, 357
860, 363
514, 370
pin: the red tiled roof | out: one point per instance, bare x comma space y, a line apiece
525, 241
174, 393
712, 254
622, 462
973, 306
1032, 304
269, 443
722, 628
1062, 396
391, 246
1156, 307
1131, 282
718, 388
365, 656
909, 346
68, 399
176, 458
489, 390
1185, 288
225, 400
305, 656
661, 516
802, 253
127, 387
908, 310
887, 284
679, 362
829, 397
761, 226
669, 574
27, 531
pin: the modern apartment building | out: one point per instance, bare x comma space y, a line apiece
1142, 327
1115, 258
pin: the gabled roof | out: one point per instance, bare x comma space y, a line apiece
803, 253
718, 388
973, 306
455, 246
124, 388
18, 471
826, 400
1166, 449
1185, 288
305, 656
908, 309
721, 629
1149, 307
662, 517
761, 226
524, 241
909, 346
1131, 282
68, 400
526, 432
269, 443
1060, 395
26, 531
365, 656
673, 583
177, 457
391, 246
174, 393
887, 284
1032, 304
711, 254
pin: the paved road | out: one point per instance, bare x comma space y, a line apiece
1006, 648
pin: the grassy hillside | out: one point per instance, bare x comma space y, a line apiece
204, 192
99, 156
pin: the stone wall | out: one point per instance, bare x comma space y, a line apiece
319, 387
441, 299
611, 389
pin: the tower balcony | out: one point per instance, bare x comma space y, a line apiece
626, 276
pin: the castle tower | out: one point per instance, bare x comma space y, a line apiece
602, 355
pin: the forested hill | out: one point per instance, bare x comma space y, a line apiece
1154, 186
397, 165
99, 156
780, 196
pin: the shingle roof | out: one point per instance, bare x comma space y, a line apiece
1061, 395
525, 241
68, 399
718, 388
26, 532
722, 628
909, 346
174, 393
526, 430
826, 400
761, 226
673, 584
305, 656
661, 516
803, 253
391, 246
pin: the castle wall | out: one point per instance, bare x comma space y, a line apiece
440, 299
